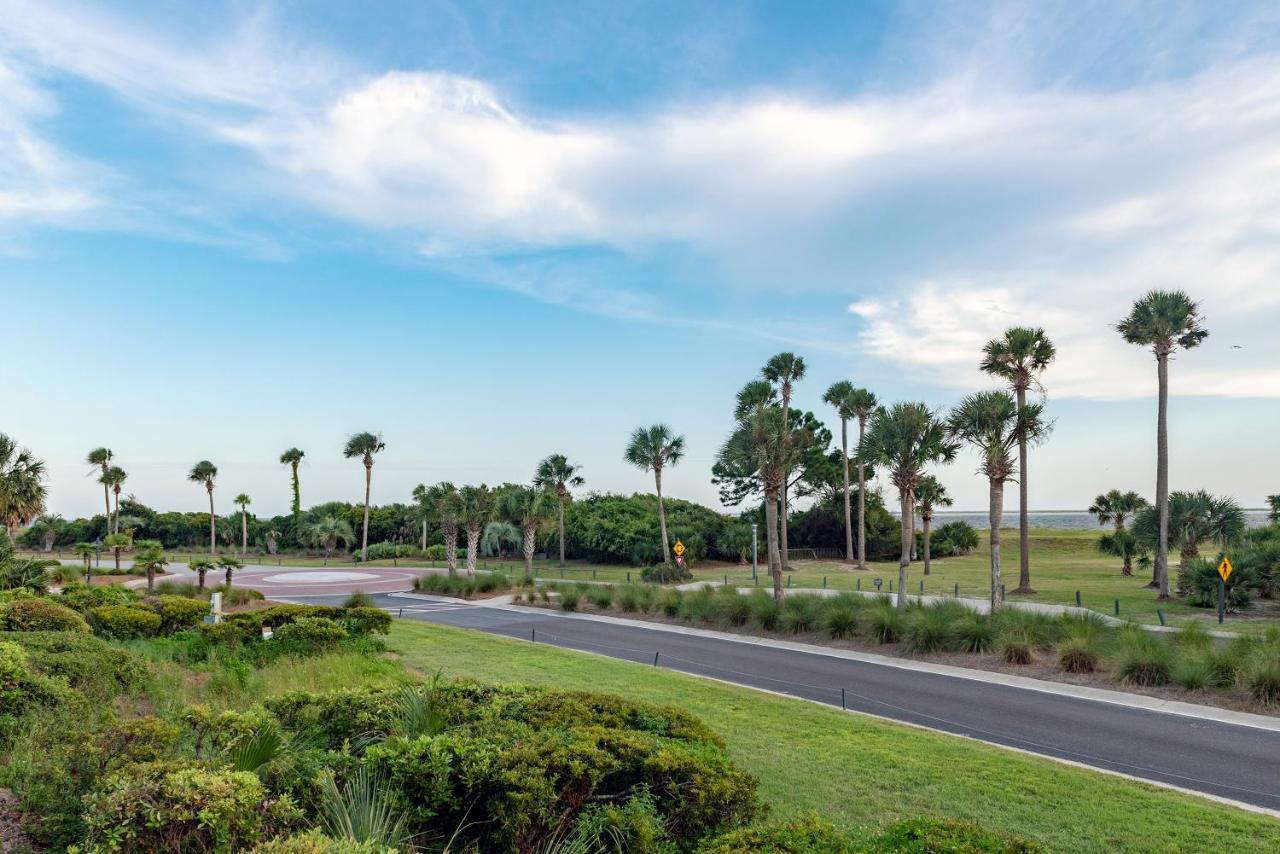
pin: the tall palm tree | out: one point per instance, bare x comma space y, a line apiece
243, 501
206, 473
559, 475
113, 478
840, 395
151, 558
476, 505
51, 525
22, 489
862, 404
446, 507
905, 438
532, 509
422, 503
784, 370
1018, 358
654, 448
930, 494
364, 446
762, 440
326, 533
1163, 321
292, 458
99, 460
994, 423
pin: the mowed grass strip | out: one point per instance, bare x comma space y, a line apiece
860, 770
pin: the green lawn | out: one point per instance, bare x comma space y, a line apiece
859, 770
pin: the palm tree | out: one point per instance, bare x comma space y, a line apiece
243, 501
1273, 501
99, 460
22, 489
1018, 358
994, 423
292, 458
326, 532
839, 395
654, 448
206, 473
445, 506
1163, 321
784, 370
114, 478
230, 563
364, 446
905, 438
1124, 545
1114, 507
557, 474
761, 438
862, 404
532, 509
1194, 519
476, 509
497, 535
117, 541
271, 538
930, 494
85, 552
151, 558
201, 567
51, 526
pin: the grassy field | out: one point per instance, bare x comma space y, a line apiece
859, 770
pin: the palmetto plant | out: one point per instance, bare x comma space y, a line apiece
363, 810
201, 566
206, 473
292, 458
476, 508
497, 537
784, 370
1195, 518
862, 404
364, 446
86, 551
1273, 501
905, 438
99, 460
50, 525
243, 501
151, 558
326, 533
1115, 507
930, 493
559, 475
22, 489
654, 448
117, 541
229, 564
445, 503
1163, 321
994, 424
113, 479
1123, 544
1019, 357
532, 509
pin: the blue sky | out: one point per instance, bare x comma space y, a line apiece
498, 231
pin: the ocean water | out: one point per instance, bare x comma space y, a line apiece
1079, 519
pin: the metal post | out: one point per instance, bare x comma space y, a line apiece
655, 657
628, 576
1160, 614
858, 584
957, 589
1222, 599
533, 635
1117, 607
824, 582
1077, 598
922, 587
843, 706
754, 552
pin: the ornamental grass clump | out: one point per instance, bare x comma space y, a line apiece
974, 633
801, 613
1142, 658
1192, 672
840, 620
765, 611
696, 605
885, 623
672, 603
1263, 680
730, 609
1078, 655
929, 630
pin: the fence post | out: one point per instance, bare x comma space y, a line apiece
824, 582
593, 573
1077, 598
726, 581
1160, 614
843, 707
858, 584
957, 589
533, 635
628, 576
788, 582
655, 657
1117, 607
922, 587
1002, 592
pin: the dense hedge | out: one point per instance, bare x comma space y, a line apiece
607, 528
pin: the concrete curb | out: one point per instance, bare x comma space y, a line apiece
1082, 692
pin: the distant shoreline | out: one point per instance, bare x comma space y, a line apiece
1078, 520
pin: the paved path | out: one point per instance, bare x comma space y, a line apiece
1228, 761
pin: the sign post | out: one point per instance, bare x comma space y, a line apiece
1224, 572
678, 548
755, 550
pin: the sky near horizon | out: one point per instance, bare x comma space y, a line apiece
497, 231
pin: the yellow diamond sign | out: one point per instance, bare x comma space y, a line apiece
1224, 568
678, 548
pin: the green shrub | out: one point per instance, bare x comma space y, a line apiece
20, 688
83, 598
1194, 636
813, 835
840, 620
174, 806
436, 551
672, 601
1200, 578
1078, 655
86, 663
629, 599
1016, 651
178, 613
315, 842
569, 600
1143, 659
1263, 680
696, 605
730, 609
954, 538
310, 635
929, 835
929, 630
974, 632
1192, 672
886, 623
125, 621
358, 599
366, 621
801, 612
765, 611
806, 834
1029, 627
40, 615
600, 596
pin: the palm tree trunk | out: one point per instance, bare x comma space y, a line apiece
908, 537
662, 517
473, 545
848, 514
116, 528
297, 491
200, 573
451, 548
786, 476
561, 532
244, 531
151, 580
1162, 478
117, 552
530, 539
424, 535
213, 530
926, 517
1024, 534
1127, 570
771, 502
106, 499
229, 571
862, 500
364, 539
995, 514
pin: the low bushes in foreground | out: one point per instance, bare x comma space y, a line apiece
813, 835
461, 586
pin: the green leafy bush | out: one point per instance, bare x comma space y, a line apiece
83, 597
315, 842
125, 621
361, 620
608, 528
813, 835
1078, 655
927, 835
1199, 577
1143, 659
806, 834
20, 688
178, 612
176, 806
930, 629
40, 615
954, 538
310, 635
436, 552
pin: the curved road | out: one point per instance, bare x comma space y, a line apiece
1239, 763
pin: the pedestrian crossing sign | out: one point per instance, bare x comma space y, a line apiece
1224, 568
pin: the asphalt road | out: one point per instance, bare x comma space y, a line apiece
1230, 761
